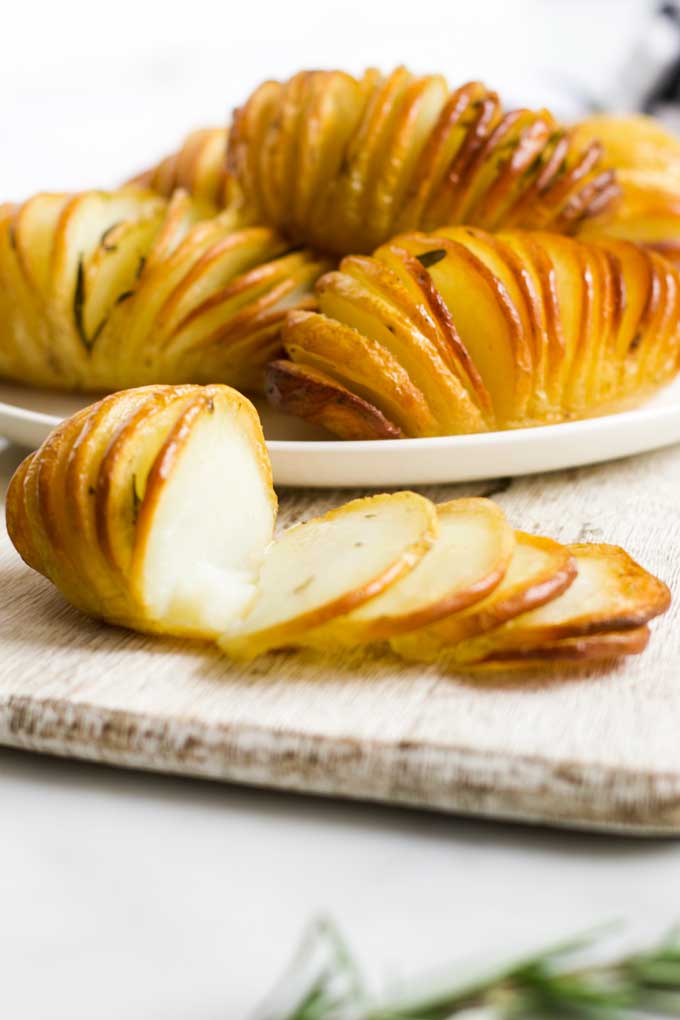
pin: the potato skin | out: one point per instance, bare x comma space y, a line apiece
320, 400
462, 331
344, 163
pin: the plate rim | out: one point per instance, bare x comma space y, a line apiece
499, 437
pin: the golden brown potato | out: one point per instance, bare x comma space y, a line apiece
610, 593
463, 331
119, 508
646, 158
199, 166
468, 560
539, 570
321, 400
106, 290
331, 565
567, 651
344, 163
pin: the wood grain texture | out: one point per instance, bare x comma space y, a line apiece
596, 747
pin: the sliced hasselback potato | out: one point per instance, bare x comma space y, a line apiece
463, 331
107, 290
199, 166
468, 560
129, 509
646, 158
154, 509
328, 566
344, 163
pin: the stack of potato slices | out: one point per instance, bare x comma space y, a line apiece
481, 597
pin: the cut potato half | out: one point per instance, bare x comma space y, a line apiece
197, 554
156, 510
588, 648
611, 592
331, 565
468, 560
539, 570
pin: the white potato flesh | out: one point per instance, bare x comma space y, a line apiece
212, 525
468, 560
331, 564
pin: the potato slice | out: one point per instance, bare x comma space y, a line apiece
363, 365
468, 560
611, 592
196, 553
539, 570
376, 314
575, 650
331, 565
474, 295
319, 399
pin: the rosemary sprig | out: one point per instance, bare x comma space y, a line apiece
324, 983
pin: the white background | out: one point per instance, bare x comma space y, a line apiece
127, 897
90, 92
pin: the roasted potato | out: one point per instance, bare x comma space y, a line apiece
128, 508
331, 565
646, 158
463, 331
107, 290
344, 163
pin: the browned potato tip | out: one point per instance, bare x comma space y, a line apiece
311, 394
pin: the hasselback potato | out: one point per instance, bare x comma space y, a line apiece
154, 509
107, 290
343, 164
646, 158
128, 508
464, 331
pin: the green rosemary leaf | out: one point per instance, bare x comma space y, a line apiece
321, 983
439, 996
554, 983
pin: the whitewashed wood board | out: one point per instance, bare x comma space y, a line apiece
597, 748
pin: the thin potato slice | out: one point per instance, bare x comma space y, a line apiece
611, 592
319, 399
539, 570
468, 560
586, 649
331, 565
363, 365
474, 295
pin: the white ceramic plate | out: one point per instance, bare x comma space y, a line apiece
301, 456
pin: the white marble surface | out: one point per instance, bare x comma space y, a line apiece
134, 897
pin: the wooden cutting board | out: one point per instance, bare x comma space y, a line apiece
598, 748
